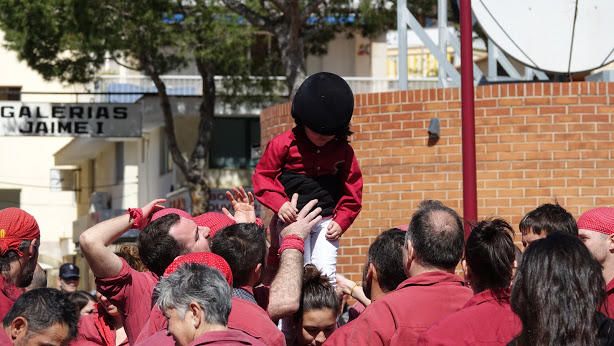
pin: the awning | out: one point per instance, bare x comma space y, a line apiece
79, 150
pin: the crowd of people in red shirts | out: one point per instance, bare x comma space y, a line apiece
220, 279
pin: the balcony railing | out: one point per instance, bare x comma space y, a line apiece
128, 89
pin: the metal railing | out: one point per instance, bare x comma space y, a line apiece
129, 88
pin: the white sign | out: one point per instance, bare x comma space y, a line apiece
74, 120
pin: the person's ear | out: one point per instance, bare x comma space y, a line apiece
611, 243
372, 273
196, 314
19, 328
33, 249
466, 270
258, 270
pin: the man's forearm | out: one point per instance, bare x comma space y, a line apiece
284, 299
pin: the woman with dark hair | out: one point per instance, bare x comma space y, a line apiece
316, 318
85, 302
487, 317
556, 293
102, 327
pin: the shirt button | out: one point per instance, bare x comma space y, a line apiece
318, 151
318, 168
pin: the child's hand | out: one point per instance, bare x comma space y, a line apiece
288, 212
334, 231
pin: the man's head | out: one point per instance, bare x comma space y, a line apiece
172, 233
43, 316
243, 246
384, 269
545, 219
596, 230
490, 255
435, 238
19, 241
193, 299
69, 278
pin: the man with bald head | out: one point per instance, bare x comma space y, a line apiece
433, 247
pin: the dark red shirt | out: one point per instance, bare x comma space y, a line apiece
282, 154
8, 295
4, 338
226, 338
130, 291
401, 316
254, 321
484, 320
608, 306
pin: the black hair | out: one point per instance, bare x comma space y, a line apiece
490, 254
80, 299
243, 246
156, 247
436, 235
549, 218
386, 255
317, 292
557, 291
44, 308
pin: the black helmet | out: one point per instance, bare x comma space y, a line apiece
324, 103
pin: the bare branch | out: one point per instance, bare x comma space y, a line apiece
249, 14
312, 7
114, 58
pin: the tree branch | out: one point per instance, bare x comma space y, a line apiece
312, 7
114, 58
249, 14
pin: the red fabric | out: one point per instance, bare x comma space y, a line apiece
8, 295
484, 320
150, 334
93, 329
136, 215
282, 154
226, 338
292, 241
130, 291
598, 220
608, 305
254, 321
205, 258
401, 316
167, 211
16, 226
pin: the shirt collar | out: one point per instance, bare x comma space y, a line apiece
487, 296
432, 278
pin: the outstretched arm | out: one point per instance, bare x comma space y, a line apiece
285, 295
95, 242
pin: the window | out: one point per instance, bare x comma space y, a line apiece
10, 198
10, 93
232, 142
119, 162
166, 159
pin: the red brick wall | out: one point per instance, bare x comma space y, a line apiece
535, 143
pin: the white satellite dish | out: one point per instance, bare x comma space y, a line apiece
551, 35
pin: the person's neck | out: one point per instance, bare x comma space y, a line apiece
418, 268
213, 328
376, 291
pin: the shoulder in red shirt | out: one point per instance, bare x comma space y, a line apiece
254, 321
226, 338
130, 291
402, 315
8, 295
484, 320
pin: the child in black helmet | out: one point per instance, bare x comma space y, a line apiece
315, 161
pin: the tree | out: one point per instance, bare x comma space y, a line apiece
306, 26
70, 40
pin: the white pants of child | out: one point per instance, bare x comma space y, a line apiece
322, 252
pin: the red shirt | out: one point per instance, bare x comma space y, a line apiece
401, 316
254, 321
154, 323
8, 295
226, 338
93, 330
292, 151
608, 306
130, 291
484, 320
